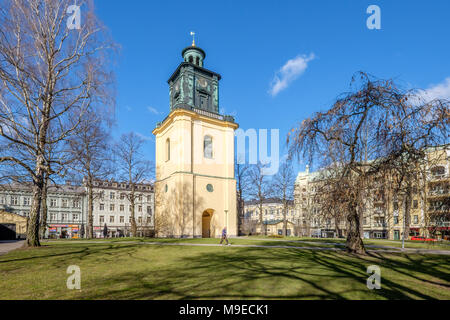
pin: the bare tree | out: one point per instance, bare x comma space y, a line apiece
133, 168
362, 121
339, 136
259, 189
91, 150
283, 188
248, 226
49, 75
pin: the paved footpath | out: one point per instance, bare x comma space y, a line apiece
386, 249
7, 246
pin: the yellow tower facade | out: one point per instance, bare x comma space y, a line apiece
195, 188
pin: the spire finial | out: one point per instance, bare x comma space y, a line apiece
193, 38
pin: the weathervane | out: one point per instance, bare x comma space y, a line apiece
193, 38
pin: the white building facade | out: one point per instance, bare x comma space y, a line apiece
67, 208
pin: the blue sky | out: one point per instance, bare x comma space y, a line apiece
321, 44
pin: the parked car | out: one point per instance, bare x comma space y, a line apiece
417, 238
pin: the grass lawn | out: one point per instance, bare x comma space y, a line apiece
133, 270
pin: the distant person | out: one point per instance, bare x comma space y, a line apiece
224, 236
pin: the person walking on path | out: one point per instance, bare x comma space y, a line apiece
224, 236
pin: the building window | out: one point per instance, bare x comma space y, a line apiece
14, 200
122, 219
139, 208
122, 196
395, 206
416, 219
64, 203
102, 195
167, 149
140, 198
149, 210
102, 206
111, 207
149, 198
140, 220
395, 219
26, 201
122, 207
112, 195
415, 204
101, 219
208, 147
76, 203
75, 217
111, 219
53, 216
64, 217
149, 219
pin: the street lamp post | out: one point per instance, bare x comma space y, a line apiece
404, 226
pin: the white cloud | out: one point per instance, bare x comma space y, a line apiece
438, 91
291, 70
152, 110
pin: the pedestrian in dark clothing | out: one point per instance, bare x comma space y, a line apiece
224, 236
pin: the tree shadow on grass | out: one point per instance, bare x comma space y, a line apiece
258, 273
78, 251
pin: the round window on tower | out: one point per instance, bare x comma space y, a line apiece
210, 188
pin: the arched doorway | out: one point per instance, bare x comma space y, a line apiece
206, 223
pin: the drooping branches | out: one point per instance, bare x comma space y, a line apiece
374, 128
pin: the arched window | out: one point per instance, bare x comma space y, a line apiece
191, 60
197, 61
208, 147
167, 149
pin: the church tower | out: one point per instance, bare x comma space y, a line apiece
195, 188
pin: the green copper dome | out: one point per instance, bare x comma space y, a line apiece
194, 55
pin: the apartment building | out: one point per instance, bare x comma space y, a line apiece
66, 209
112, 208
384, 211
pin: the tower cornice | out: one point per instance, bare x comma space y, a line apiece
225, 121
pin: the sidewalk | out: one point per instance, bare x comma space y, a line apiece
8, 245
